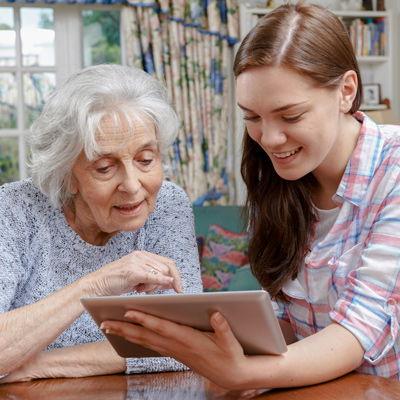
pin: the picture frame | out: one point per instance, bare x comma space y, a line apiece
372, 93
367, 5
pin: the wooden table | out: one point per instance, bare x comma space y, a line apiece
189, 385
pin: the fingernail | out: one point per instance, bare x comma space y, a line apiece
104, 326
130, 314
218, 317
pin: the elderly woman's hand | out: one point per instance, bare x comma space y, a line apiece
139, 271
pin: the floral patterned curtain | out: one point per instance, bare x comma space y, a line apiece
187, 44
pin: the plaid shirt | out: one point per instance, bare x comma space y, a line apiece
352, 276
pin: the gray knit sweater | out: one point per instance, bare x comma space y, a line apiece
40, 253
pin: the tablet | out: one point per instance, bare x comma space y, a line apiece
249, 313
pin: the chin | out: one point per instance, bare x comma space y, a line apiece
291, 176
130, 227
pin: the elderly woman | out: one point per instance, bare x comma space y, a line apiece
96, 219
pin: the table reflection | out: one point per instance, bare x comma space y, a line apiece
191, 386
169, 386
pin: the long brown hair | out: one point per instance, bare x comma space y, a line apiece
313, 42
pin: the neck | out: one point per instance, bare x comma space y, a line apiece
331, 172
322, 197
87, 231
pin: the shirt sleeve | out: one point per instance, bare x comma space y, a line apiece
153, 365
12, 241
13, 250
368, 306
171, 233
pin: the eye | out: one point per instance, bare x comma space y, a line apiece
292, 119
251, 118
103, 166
146, 161
145, 158
103, 169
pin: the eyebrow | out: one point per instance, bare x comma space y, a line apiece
279, 109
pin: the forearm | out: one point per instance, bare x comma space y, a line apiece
70, 362
326, 355
28, 330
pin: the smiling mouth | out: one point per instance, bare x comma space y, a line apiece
132, 207
287, 154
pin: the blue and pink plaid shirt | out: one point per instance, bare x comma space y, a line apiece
352, 276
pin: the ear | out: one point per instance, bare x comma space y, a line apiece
72, 184
348, 91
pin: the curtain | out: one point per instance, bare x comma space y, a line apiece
188, 44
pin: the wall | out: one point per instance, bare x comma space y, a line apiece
396, 57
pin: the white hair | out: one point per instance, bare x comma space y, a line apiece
73, 114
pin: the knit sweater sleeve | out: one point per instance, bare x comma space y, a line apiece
12, 240
13, 249
170, 232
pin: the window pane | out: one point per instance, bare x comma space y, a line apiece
8, 160
7, 37
101, 38
37, 36
37, 87
8, 101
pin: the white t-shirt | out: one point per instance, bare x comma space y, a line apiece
327, 219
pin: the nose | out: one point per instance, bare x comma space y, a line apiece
129, 180
272, 136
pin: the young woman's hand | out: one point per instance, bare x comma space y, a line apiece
139, 271
328, 354
216, 355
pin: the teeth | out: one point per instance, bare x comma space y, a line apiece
287, 154
126, 208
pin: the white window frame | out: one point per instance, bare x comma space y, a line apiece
68, 27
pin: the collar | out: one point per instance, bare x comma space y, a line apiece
363, 162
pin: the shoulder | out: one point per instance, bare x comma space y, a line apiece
171, 190
390, 153
379, 144
16, 187
172, 196
23, 191
18, 192
387, 135
380, 157
23, 198
390, 134
172, 205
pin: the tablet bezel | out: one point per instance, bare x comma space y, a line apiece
250, 315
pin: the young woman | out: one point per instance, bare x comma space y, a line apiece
323, 207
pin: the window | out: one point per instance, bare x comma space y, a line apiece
101, 37
40, 45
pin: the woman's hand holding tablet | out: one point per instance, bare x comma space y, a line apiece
249, 314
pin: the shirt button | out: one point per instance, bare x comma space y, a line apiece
390, 309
